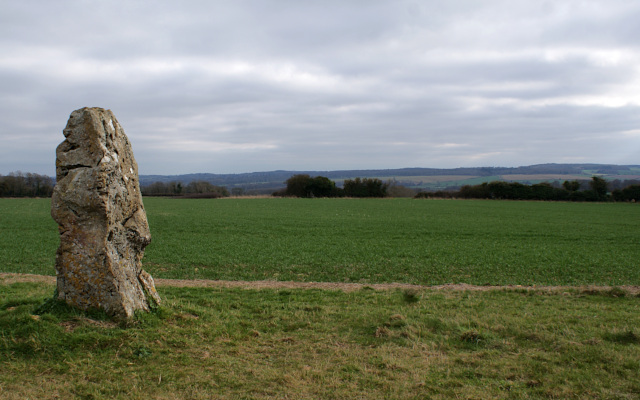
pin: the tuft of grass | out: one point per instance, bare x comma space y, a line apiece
411, 296
471, 337
612, 292
616, 292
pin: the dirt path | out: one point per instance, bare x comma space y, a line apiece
9, 278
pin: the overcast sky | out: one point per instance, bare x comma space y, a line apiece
242, 86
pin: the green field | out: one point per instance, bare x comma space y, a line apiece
203, 343
369, 241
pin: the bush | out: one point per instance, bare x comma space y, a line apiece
599, 188
367, 187
303, 185
475, 192
297, 185
630, 193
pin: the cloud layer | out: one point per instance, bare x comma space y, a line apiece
223, 87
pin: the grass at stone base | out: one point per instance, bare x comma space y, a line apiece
299, 344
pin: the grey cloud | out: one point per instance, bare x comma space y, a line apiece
213, 86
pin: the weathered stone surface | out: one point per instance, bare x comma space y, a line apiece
103, 225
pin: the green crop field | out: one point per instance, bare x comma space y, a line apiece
362, 240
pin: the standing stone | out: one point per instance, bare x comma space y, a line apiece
103, 226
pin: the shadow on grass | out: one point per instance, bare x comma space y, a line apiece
625, 338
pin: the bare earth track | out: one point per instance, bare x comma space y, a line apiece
9, 278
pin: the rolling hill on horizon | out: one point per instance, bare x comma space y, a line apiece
417, 178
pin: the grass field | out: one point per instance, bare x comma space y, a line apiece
311, 344
369, 241
222, 343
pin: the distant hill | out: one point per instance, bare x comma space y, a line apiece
419, 178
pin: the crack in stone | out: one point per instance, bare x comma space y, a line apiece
75, 166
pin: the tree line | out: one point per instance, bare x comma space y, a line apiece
303, 185
19, 184
597, 189
195, 189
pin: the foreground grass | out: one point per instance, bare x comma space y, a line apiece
427, 242
298, 344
